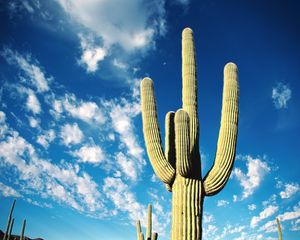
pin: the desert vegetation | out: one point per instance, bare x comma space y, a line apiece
179, 166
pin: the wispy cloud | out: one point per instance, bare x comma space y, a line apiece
222, 203
90, 154
33, 74
8, 191
281, 94
267, 212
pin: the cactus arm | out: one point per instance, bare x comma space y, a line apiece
138, 229
23, 230
279, 229
9, 220
149, 224
218, 175
154, 236
11, 228
189, 89
170, 138
162, 168
182, 143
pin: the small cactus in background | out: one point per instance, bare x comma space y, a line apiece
10, 229
23, 230
9, 220
279, 229
179, 167
149, 234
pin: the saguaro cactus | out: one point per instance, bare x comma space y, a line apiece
279, 229
9, 220
10, 229
140, 235
22, 237
179, 167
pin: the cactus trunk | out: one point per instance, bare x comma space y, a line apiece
187, 204
179, 164
9, 220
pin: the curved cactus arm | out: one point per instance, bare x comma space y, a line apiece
162, 168
189, 89
182, 142
218, 175
170, 138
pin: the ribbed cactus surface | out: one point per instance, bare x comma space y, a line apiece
8, 225
179, 164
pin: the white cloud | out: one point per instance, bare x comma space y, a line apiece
267, 212
125, 201
289, 190
291, 214
183, 2
46, 138
90, 154
117, 63
33, 122
222, 203
7, 191
33, 103
256, 170
37, 176
71, 134
281, 94
2, 117
32, 71
252, 207
132, 25
91, 54
85, 111
208, 218
127, 166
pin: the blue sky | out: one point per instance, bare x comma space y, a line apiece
71, 144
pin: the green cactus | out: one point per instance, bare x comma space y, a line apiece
140, 235
9, 220
180, 166
279, 229
23, 230
10, 229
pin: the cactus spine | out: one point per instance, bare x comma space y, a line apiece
279, 229
9, 220
23, 230
179, 167
140, 235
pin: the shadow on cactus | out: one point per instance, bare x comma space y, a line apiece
179, 165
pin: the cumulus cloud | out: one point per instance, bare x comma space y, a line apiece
87, 111
71, 134
31, 69
92, 54
267, 212
256, 170
46, 138
90, 154
133, 26
281, 94
290, 189
33, 103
